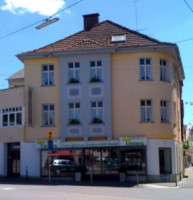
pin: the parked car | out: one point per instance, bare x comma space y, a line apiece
59, 166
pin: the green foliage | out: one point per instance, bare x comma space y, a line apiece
96, 120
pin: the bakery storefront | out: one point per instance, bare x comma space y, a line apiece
101, 159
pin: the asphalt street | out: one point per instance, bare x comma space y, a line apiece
38, 189
65, 192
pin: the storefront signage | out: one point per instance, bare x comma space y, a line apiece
133, 141
123, 141
59, 144
89, 144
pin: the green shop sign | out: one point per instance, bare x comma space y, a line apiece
133, 141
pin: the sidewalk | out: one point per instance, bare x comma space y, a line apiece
187, 181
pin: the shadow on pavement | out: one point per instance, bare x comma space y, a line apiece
45, 181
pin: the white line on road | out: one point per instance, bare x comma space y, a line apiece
8, 188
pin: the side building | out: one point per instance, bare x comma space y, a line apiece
12, 121
111, 98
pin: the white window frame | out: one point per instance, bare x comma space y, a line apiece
50, 113
96, 69
97, 109
146, 110
12, 111
75, 110
164, 70
47, 73
74, 70
164, 111
145, 69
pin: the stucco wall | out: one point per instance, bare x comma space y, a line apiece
41, 95
13, 97
30, 160
128, 90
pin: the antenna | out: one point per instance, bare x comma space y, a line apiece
136, 19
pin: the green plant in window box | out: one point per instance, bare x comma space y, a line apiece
96, 120
73, 80
74, 121
95, 79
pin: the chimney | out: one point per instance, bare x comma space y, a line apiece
90, 21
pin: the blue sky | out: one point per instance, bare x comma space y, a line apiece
167, 21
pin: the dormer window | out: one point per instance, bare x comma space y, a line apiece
118, 38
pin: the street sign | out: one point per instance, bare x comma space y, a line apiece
165, 177
50, 144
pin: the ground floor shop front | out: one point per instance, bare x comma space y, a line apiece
153, 160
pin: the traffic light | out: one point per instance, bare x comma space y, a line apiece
49, 135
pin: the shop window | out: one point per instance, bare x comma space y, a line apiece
62, 163
133, 160
102, 161
165, 160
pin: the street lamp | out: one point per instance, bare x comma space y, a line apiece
47, 22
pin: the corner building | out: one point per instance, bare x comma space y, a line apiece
111, 98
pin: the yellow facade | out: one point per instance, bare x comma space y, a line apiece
41, 95
128, 90
12, 134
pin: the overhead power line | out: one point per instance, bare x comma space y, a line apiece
188, 5
43, 20
186, 40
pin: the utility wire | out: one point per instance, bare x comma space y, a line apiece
184, 40
43, 20
188, 5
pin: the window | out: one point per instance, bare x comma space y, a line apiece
145, 69
164, 74
146, 111
164, 111
48, 115
74, 113
165, 160
12, 117
96, 71
48, 75
97, 111
74, 72
118, 38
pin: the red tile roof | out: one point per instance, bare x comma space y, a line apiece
98, 37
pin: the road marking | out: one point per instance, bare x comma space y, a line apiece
8, 188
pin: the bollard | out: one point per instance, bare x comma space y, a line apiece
26, 174
137, 177
176, 179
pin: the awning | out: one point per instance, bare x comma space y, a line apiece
63, 153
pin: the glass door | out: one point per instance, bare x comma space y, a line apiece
13, 167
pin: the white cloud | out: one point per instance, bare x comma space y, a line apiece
43, 7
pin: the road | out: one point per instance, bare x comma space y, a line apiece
65, 192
